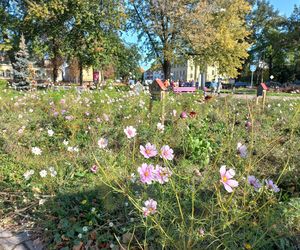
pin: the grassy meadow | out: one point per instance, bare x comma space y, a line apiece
98, 170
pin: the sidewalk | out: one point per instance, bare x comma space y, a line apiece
18, 241
251, 97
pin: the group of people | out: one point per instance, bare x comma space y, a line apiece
180, 83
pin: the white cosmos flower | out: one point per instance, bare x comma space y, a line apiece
36, 150
50, 132
43, 173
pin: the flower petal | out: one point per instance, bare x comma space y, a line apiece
222, 170
232, 183
230, 173
228, 188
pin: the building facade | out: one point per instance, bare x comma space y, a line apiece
150, 75
188, 71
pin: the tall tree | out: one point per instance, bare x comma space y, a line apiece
49, 23
293, 37
93, 33
127, 61
228, 46
180, 28
70, 29
12, 14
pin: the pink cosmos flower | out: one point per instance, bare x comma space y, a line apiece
161, 174
226, 179
183, 115
150, 207
94, 169
102, 143
166, 153
130, 132
148, 151
62, 101
242, 150
146, 173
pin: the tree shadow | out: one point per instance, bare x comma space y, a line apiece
91, 219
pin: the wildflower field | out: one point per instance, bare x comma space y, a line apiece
98, 170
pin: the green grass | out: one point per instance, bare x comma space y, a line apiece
253, 92
76, 206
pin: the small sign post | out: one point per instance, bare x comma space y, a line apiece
252, 69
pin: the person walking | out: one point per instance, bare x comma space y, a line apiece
213, 86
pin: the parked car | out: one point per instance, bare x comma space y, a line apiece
241, 84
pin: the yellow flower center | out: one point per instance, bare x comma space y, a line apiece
148, 151
224, 178
146, 173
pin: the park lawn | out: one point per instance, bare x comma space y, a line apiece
70, 189
254, 92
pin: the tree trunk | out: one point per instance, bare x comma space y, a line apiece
55, 69
270, 66
80, 73
55, 60
167, 69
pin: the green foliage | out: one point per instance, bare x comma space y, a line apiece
78, 207
198, 146
275, 40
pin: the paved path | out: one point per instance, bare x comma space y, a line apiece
250, 97
17, 241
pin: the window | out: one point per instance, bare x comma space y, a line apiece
191, 76
213, 72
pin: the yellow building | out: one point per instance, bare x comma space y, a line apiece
73, 75
188, 71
